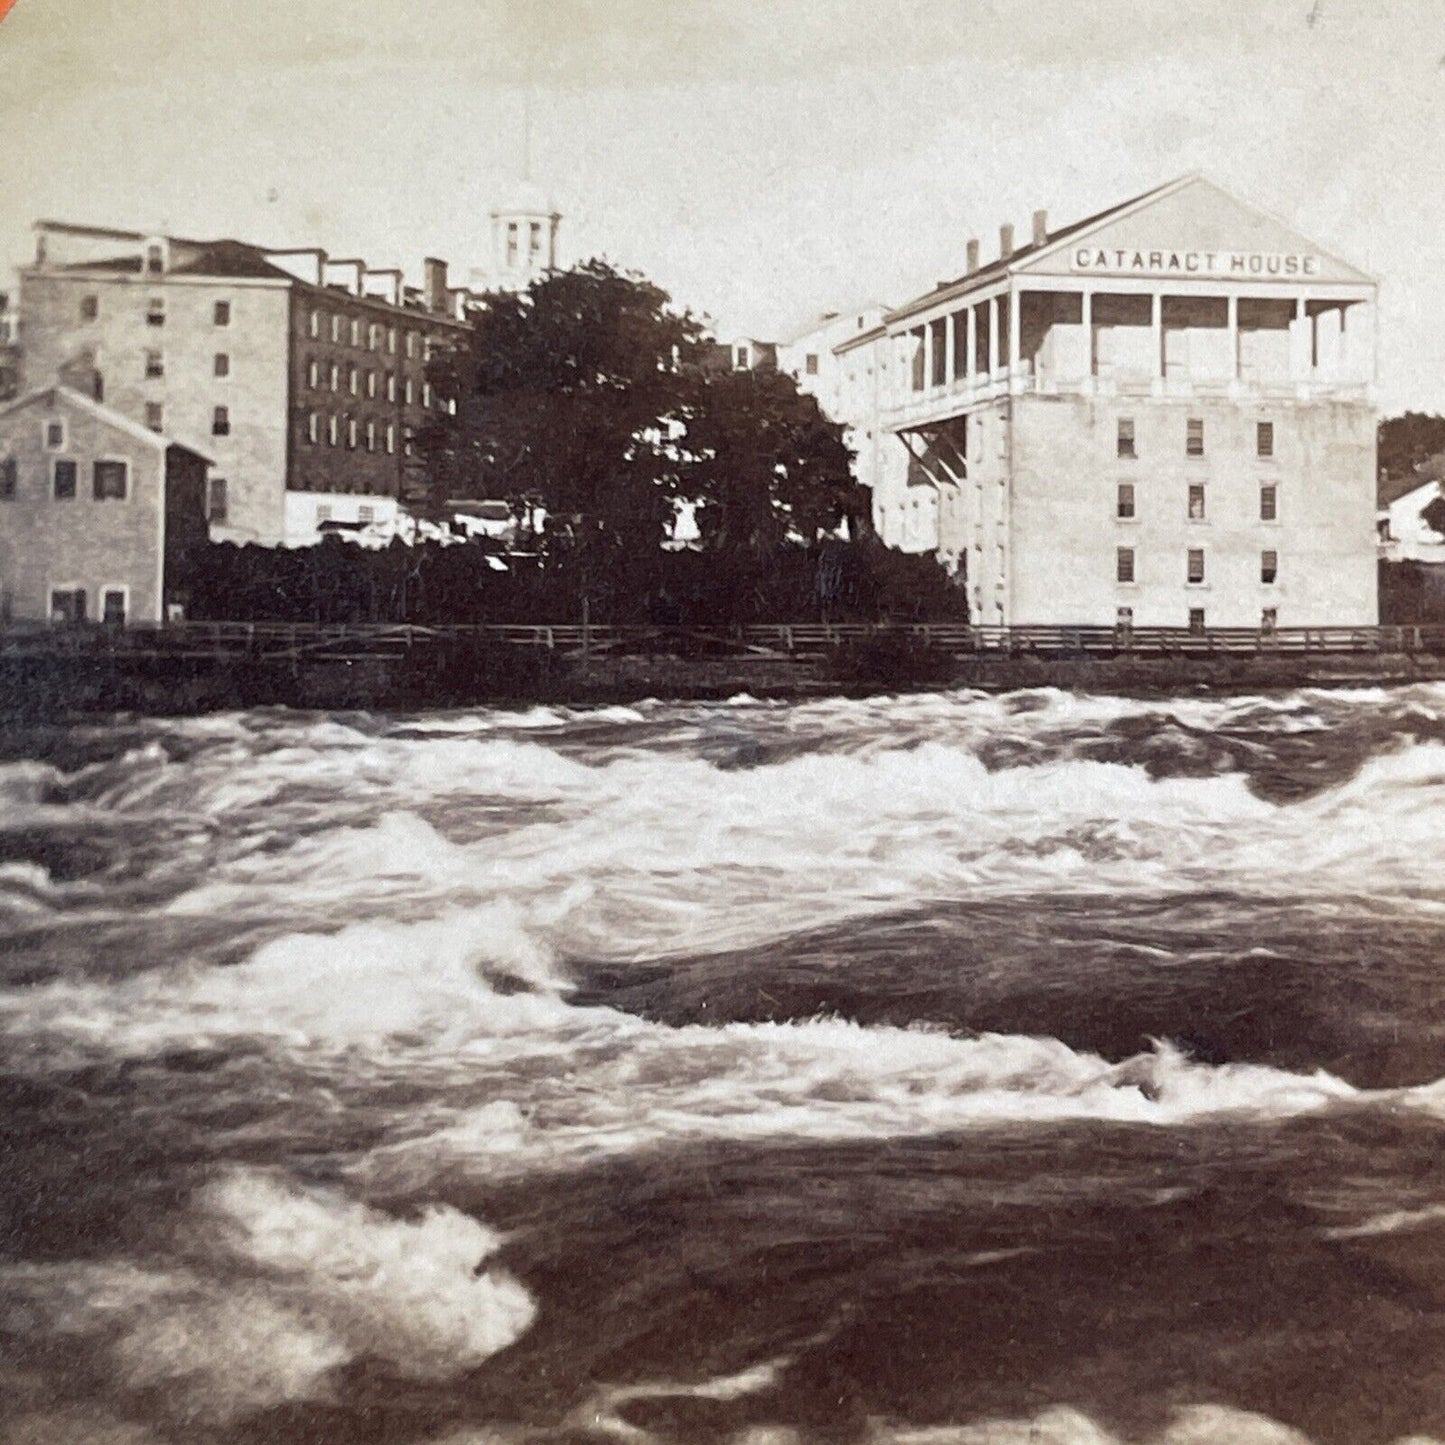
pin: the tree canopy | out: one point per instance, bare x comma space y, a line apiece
591, 396
1408, 441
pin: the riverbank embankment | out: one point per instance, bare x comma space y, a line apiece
53, 676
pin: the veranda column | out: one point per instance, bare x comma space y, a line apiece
1156, 322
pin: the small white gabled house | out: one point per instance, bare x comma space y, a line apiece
100, 518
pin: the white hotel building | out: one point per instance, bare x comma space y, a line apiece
1163, 415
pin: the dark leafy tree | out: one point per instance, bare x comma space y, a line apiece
764, 465
1408, 441
567, 399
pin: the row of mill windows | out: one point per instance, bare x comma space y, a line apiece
109, 480
155, 364
366, 335
155, 310
1126, 506
353, 434
1194, 438
374, 384
1126, 566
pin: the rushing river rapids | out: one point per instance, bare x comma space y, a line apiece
950, 1069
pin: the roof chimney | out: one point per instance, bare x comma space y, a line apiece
1041, 228
1005, 242
434, 285
972, 256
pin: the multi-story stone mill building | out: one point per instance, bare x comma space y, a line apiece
1162, 415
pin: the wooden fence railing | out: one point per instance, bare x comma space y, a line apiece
802, 640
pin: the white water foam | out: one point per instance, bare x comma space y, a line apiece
322, 1281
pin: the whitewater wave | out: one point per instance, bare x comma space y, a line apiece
280, 1287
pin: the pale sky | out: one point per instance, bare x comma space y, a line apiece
762, 159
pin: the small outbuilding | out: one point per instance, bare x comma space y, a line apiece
100, 519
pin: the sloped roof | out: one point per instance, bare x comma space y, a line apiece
56, 394
1389, 490
1033, 256
230, 259
997, 269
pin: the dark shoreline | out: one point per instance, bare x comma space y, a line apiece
56, 690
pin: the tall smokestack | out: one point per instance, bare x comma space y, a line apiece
1005, 242
972, 256
1041, 228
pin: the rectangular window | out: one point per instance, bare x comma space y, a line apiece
155, 415
314, 325
1196, 565
313, 374
351, 375
155, 260
426, 393
335, 377
1126, 437
108, 481
9, 477
155, 365
1124, 564
65, 477
411, 343
391, 440
156, 311
511, 243
67, 605
536, 238
391, 386
112, 607
1196, 619
366, 514
355, 331
331, 431
222, 364
221, 422
410, 391
373, 336
810, 364
313, 427
1194, 437
740, 358
55, 436
371, 384
371, 436
221, 313
89, 308
1264, 439
323, 513
216, 499
1126, 500
351, 433
1268, 566
1196, 501
1269, 502
1269, 619
391, 339
336, 328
